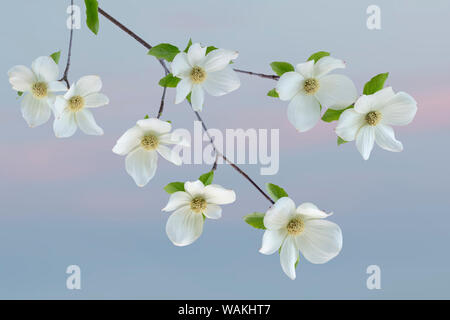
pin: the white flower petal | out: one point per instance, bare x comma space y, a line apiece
45, 69
303, 112
349, 123
35, 111
385, 138
373, 102
87, 85
128, 141
213, 211
289, 85
169, 155
183, 89
180, 65
326, 65
278, 216
196, 54
177, 200
306, 69
272, 241
320, 241
310, 211
56, 86
173, 138
336, 92
95, 100
155, 125
216, 194
197, 97
59, 106
21, 78
364, 140
289, 256
141, 165
221, 82
184, 226
399, 110
65, 125
194, 188
71, 92
218, 60
87, 124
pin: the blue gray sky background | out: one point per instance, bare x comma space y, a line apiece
70, 201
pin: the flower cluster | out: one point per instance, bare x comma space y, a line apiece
71, 110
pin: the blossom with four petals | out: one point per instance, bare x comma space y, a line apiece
291, 229
372, 117
191, 207
310, 88
200, 71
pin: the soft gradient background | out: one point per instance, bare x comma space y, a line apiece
70, 201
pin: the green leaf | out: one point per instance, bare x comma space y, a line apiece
318, 55
55, 56
174, 187
281, 67
340, 141
164, 51
333, 115
256, 220
146, 116
207, 178
188, 97
275, 191
375, 84
273, 93
210, 48
19, 93
169, 81
92, 15
188, 45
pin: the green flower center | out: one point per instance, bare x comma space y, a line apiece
295, 226
76, 103
311, 86
149, 142
198, 75
373, 118
198, 204
39, 90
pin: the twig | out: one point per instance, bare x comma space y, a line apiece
166, 70
262, 75
69, 54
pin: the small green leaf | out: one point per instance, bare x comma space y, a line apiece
256, 220
174, 187
55, 56
210, 48
92, 15
273, 93
164, 51
333, 115
19, 93
169, 81
296, 263
281, 67
188, 97
168, 121
375, 84
340, 141
318, 55
275, 191
207, 178
188, 45
146, 116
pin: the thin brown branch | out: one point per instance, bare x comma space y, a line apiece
166, 70
69, 52
261, 75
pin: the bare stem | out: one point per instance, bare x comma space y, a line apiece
166, 70
69, 52
262, 75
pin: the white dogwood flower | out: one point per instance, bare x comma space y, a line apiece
200, 71
303, 228
72, 109
372, 117
191, 207
310, 87
142, 143
38, 86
